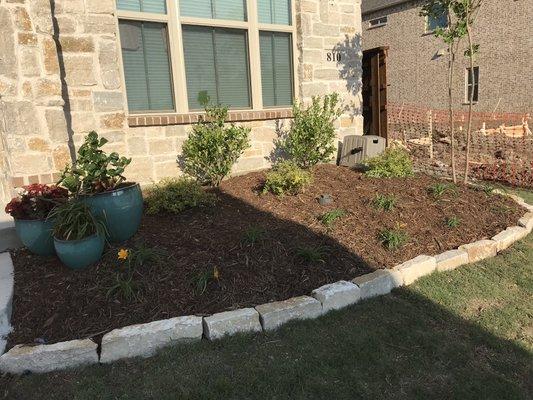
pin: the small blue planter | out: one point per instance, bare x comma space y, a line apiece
79, 254
36, 235
120, 209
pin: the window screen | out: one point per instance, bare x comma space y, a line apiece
472, 85
216, 9
146, 66
216, 62
276, 68
274, 11
150, 6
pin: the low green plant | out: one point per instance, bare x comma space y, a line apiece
94, 170
384, 202
202, 279
329, 218
453, 222
394, 162
124, 286
287, 178
253, 235
312, 254
311, 138
438, 190
73, 220
393, 239
213, 146
488, 189
174, 195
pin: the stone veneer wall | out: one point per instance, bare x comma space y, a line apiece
33, 128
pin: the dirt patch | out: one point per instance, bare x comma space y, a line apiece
52, 303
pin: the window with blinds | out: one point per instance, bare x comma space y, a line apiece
216, 62
276, 68
274, 12
149, 6
472, 85
146, 66
214, 9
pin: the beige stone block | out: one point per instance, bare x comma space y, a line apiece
83, 122
108, 60
309, 7
70, 7
29, 164
176, 130
8, 60
67, 24
141, 170
77, 44
81, 105
113, 121
27, 90
314, 89
22, 19
61, 157
327, 74
79, 70
416, 268
527, 221
480, 250
263, 134
100, 6
161, 146
249, 164
451, 260
509, 236
325, 30
166, 169
47, 88
137, 146
57, 125
51, 64
40, 15
21, 118
38, 144
99, 24
312, 56
307, 70
116, 137
27, 38
108, 101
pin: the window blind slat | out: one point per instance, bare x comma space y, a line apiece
151, 6
276, 68
274, 12
215, 9
267, 68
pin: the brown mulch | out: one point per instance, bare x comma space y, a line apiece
52, 303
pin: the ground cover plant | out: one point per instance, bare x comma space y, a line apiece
329, 218
394, 162
211, 267
384, 202
457, 335
287, 178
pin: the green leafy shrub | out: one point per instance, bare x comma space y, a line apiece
94, 171
311, 138
312, 254
440, 189
384, 202
392, 163
330, 218
253, 235
287, 178
393, 239
453, 222
174, 195
213, 147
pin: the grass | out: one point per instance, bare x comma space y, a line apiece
384, 202
329, 218
464, 334
393, 239
312, 254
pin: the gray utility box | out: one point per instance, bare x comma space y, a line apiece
356, 149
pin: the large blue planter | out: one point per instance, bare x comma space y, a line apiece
120, 209
36, 235
79, 254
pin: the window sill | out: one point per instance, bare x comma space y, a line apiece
191, 118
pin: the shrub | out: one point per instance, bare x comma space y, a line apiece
174, 195
384, 202
312, 254
94, 171
330, 218
36, 201
453, 222
311, 138
287, 178
213, 147
393, 163
393, 239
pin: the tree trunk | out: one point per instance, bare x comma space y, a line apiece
451, 64
471, 102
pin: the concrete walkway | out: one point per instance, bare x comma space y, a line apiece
8, 236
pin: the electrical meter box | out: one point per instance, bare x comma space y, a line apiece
356, 149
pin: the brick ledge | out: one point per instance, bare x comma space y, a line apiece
191, 118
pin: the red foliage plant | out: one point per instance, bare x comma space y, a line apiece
36, 201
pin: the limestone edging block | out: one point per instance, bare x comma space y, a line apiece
337, 295
275, 314
378, 283
506, 238
416, 268
143, 340
527, 221
47, 358
480, 250
450, 260
227, 323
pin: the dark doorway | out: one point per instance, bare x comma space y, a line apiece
375, 91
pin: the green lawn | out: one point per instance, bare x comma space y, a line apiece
465, 334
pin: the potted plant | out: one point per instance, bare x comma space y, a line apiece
97, 179
79, 236
31, 210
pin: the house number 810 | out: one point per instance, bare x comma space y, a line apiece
333, 56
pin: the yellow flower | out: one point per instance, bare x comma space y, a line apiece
216, 273
123, 254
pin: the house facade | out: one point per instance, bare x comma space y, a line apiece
417, 61
133, 70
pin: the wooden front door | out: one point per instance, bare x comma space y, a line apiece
375, 91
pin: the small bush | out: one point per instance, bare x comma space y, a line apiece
176, 195
440, 189
453, 222
213, 147
384, 202
330, 218
393, 163
312, 254
311, 138
393, 239
253, 235
287, 178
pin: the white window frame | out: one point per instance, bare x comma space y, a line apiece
378, 24
174, 24
467, 85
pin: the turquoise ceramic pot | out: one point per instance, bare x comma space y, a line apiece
121, 209
36, 235
79, 254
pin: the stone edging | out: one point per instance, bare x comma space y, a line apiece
144, 340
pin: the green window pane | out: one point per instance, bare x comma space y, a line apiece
216, 62
214, 9
146, 66
274, 12
151, 6
276, 68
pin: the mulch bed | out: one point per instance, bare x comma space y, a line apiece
52, 303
